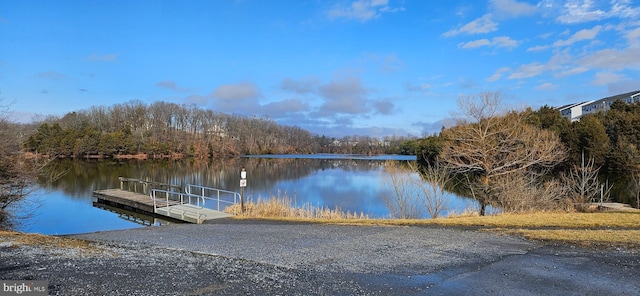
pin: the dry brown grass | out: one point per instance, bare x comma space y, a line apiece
18, 239
282, 208
601, 229
550, 219
629, 239
531, 220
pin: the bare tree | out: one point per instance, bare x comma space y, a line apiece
14, 173
522, 192
435, 197
400, 193
409, 191
583, 184
489, 143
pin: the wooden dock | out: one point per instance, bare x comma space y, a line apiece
126, 199
172, 209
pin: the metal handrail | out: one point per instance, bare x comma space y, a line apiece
145, 186
205, 193
181, 201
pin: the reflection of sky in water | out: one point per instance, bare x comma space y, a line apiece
350, 191
57, 213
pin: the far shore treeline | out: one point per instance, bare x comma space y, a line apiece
168, 130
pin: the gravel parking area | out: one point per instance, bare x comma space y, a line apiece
263, 258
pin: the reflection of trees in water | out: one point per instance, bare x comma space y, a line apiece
81, 178
85, 176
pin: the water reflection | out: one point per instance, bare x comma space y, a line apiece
135, 217
350, 184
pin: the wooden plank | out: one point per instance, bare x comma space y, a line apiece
126, 198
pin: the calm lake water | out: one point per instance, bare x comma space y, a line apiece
351, 182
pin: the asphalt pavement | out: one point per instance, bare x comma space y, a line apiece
265, 258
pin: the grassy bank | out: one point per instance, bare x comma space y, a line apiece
17, 239
598, 229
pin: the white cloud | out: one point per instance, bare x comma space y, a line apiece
605, 78
475, 43
586, 34
545, 35
505, 41
301, 86
512, 8
578, 11
345, 96
559, 61
236, 97
572, 71
546, 86
528, 71
624, 9
624, 86
362, 10
240, 91
538, 48
501, 41
498, 74
243, 98
613, 59
560, 64
566, 32
633, 36
480, 25
581, 11
384, 107
284, 108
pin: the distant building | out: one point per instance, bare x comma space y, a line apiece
573, 111
605, 104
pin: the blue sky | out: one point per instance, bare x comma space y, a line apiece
368, 67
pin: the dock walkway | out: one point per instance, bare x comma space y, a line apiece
194, 204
